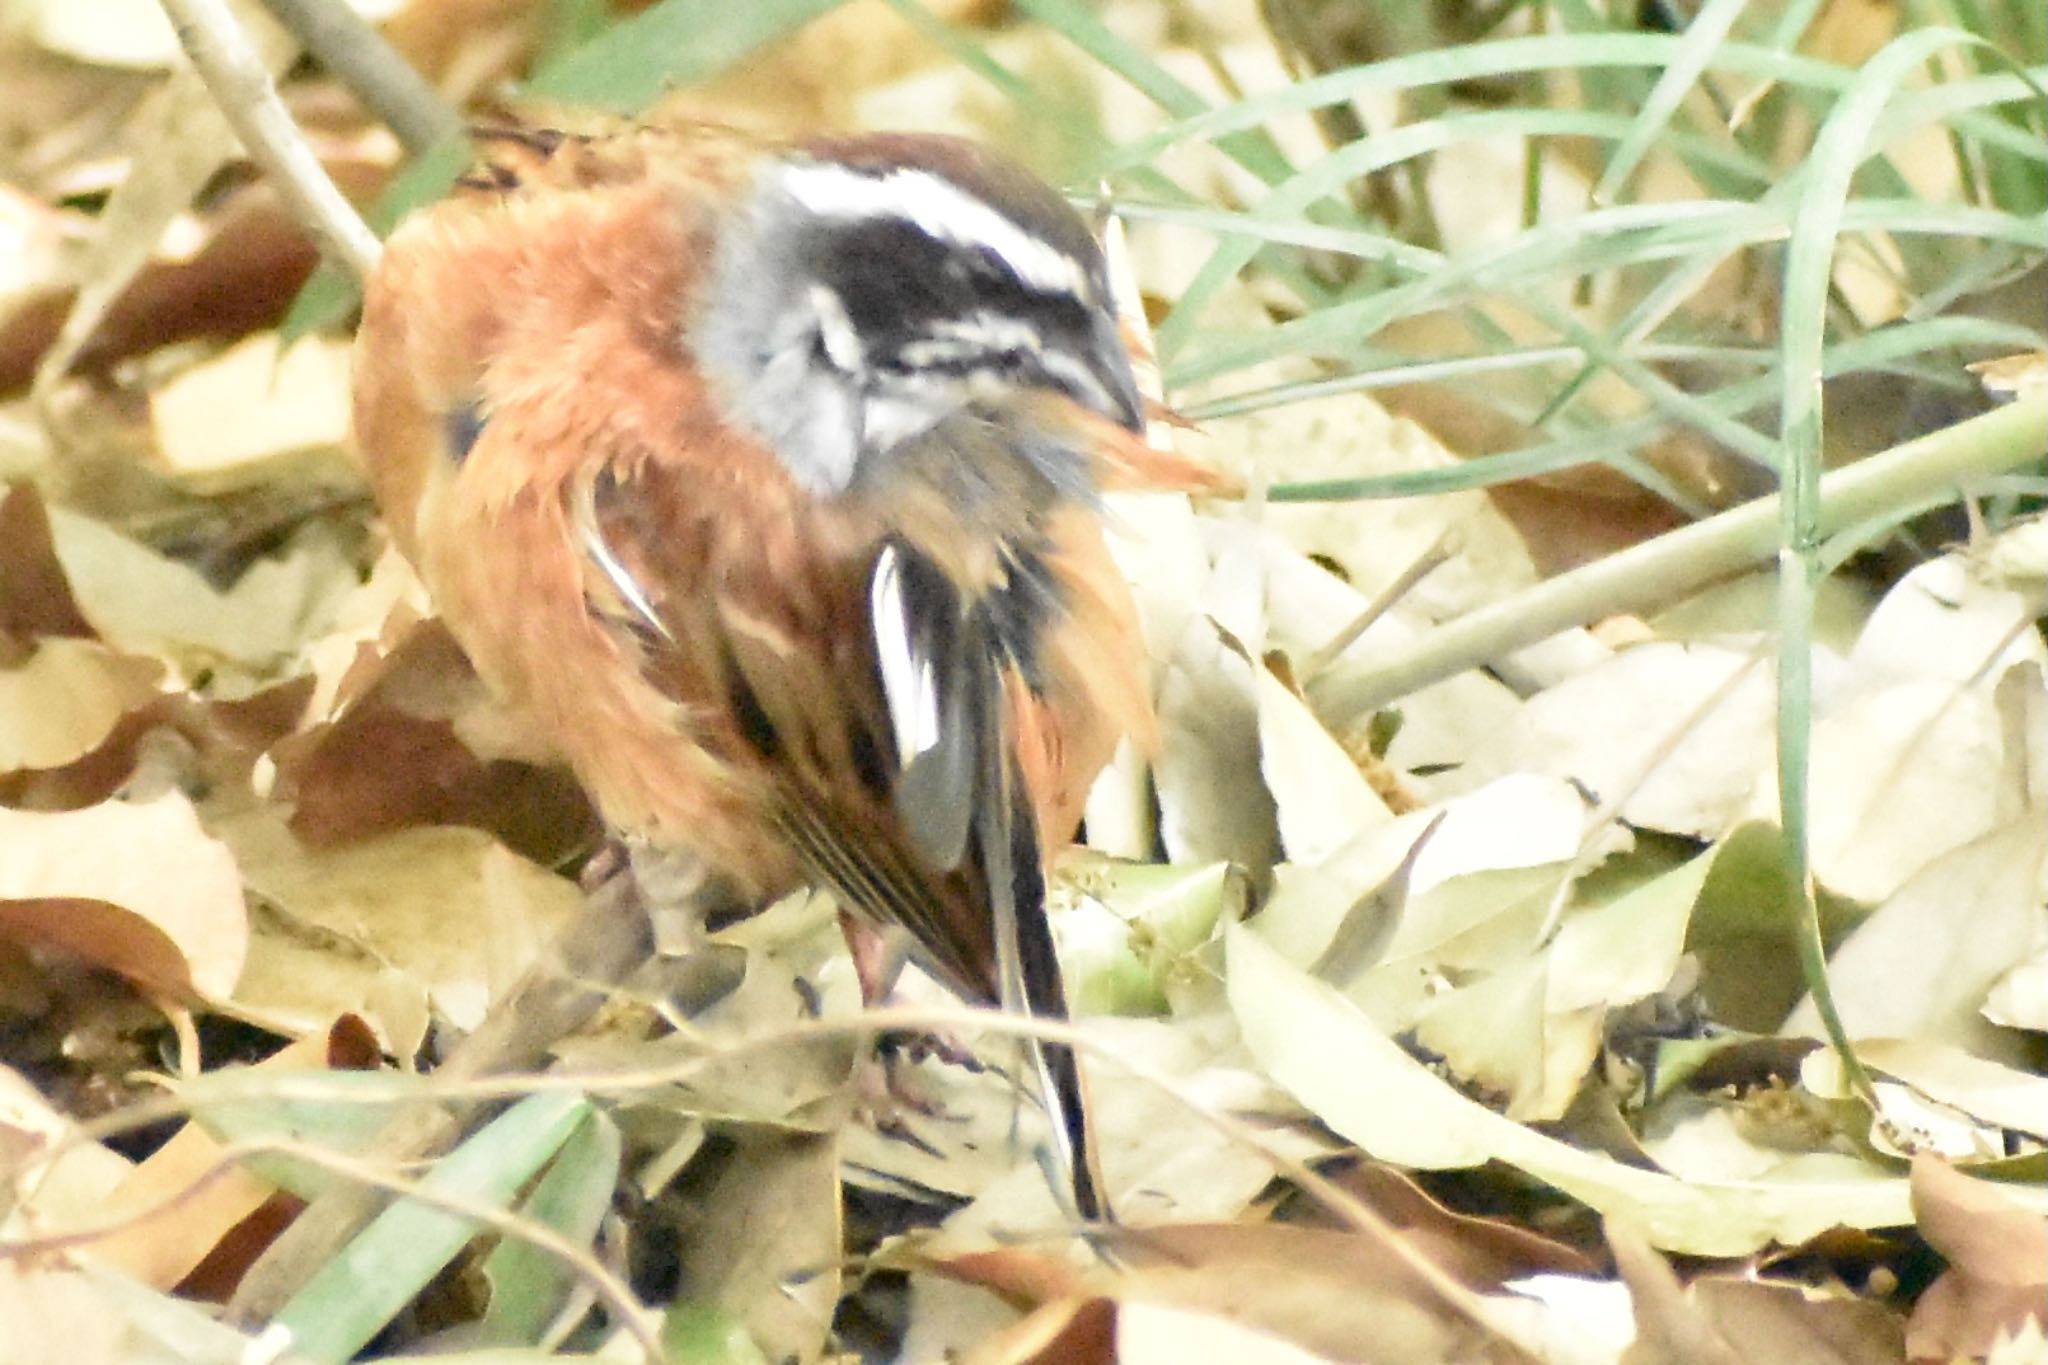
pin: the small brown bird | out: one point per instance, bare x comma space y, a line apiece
764, 480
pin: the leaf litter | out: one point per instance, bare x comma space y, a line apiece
1472, 1034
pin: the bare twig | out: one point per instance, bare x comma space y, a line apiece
375, 1169
357, 55
1663, 570
1440, 552
248, 98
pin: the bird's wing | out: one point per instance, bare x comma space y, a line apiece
765, 614
911, 717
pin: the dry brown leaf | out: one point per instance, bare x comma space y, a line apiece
1484, 1253
460, 44
162, 1250
189, 141
1069, 1332
398, 751
174, 740
1786, 1324
1670, 1329
1997, 1254
764, 1241
242, 275
35, 596
1336, 1293
139, 888
1724, 1320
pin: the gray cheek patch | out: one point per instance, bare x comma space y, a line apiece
805, 411
780, 351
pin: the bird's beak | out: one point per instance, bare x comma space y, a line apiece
1110, 363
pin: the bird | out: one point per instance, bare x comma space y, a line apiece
764, 479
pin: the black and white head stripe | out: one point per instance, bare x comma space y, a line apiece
942, 210
863, 290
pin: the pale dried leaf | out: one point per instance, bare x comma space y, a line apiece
2019, 999
189, 1218
1675, 732
32, 242
1320, 797
1159, 1334
1374, 542
1208, 718
188, 140
145, 603
239, 417
55, 1317
1921, 965
138, 888
52, 1178
1902, 775
127, 33
1356, 1079
450, 907
66, 698
2023, 376
1945, 621
1997, 1094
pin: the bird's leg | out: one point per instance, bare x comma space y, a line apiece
889, 1092
885, 1093
878, 955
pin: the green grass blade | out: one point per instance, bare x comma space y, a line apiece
351, 1299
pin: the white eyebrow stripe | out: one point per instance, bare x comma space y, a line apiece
993, 331
942, 209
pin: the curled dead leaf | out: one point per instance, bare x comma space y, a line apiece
138, 888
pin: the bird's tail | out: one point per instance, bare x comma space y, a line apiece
1029, 982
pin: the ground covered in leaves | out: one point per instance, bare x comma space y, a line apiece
1454, 1013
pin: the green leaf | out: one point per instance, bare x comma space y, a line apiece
528, 1286
676, 43
704, 1334
352, 1298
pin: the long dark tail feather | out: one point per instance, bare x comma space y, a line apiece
942, 678
1028, 978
